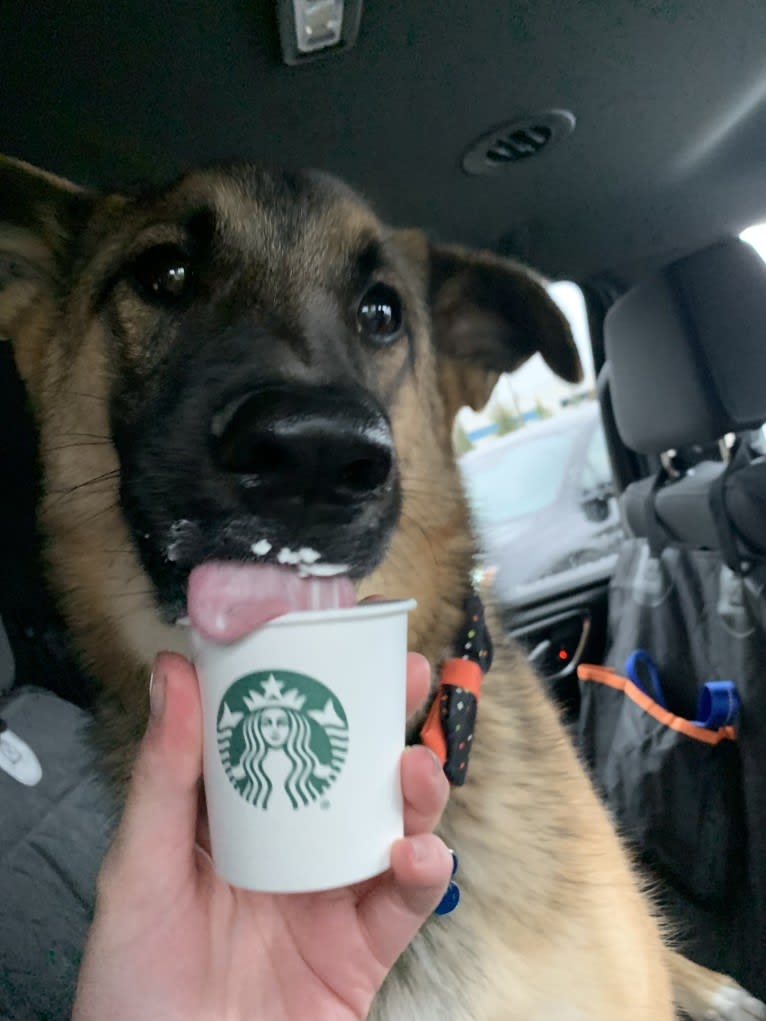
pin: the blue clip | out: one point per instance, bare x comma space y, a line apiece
451, 897
718, 705
640, 668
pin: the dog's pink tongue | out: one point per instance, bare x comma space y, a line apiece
226, 601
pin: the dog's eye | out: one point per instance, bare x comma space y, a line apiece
162, 273
380, 314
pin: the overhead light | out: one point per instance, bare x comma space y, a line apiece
309, 29
318, 24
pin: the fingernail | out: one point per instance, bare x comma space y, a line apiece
157, 684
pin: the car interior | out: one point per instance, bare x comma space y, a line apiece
619, 145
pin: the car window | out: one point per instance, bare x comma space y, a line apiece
597, 472
541, 501
518, 480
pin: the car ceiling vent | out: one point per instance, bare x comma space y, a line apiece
516, 141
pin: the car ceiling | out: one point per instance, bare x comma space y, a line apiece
668, 153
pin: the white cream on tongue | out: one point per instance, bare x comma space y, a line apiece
226, 601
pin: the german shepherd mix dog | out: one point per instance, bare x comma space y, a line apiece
249, 365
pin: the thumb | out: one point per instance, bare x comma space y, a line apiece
395, 908
154, 848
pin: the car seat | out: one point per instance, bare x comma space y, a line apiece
686, 362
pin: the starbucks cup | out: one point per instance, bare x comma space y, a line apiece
304, 723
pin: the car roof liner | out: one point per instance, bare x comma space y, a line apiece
667, 153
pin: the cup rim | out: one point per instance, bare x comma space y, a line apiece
375, 608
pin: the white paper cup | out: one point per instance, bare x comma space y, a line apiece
304, 724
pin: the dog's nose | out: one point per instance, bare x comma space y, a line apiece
327, 445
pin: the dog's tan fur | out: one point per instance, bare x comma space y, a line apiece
552, 924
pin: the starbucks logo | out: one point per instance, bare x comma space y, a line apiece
282, 737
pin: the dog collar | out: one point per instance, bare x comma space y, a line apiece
448, 729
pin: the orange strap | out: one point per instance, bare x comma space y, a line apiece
463, 673
455, 673
603, 675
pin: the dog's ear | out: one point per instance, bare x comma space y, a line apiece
489, 315
40, 214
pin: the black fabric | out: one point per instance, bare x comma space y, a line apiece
686, 350
745, 498
43, 653
682, 506
701, 621
684, 819
727, 537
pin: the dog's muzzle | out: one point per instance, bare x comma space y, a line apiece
275, 473
317, 447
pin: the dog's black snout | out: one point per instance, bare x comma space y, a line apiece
324, 444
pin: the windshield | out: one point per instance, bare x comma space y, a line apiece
518, 480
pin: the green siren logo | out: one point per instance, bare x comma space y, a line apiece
281, 737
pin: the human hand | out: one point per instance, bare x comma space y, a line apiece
172, 941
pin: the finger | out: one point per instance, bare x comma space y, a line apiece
418, 680
418, 671
154, 848
425, 789
393, 911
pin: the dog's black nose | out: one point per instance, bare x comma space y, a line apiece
325, 445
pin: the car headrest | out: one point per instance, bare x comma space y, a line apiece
687, 350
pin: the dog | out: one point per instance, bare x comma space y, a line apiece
247, 364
